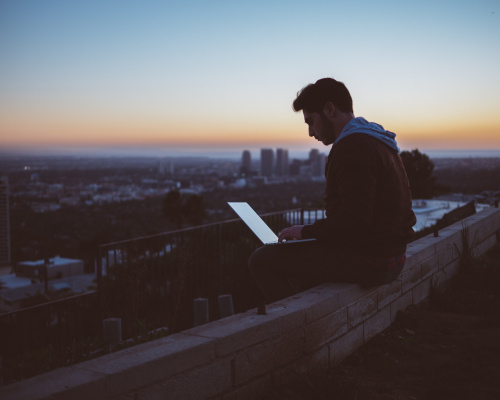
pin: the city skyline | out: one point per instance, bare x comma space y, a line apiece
221, 77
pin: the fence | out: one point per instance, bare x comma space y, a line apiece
52, 329
153, 280
148, 282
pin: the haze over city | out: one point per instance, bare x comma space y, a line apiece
220, 76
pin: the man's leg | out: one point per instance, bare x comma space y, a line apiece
309, 263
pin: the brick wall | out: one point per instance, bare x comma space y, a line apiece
241, 356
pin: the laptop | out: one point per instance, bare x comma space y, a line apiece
258, 226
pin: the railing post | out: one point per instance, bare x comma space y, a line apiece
219, 257
99, 282
112, 331
200, 311
226, 308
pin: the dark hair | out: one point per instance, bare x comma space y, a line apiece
313, 97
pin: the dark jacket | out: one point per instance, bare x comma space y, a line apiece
367, 199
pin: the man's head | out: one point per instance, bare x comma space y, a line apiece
327, 107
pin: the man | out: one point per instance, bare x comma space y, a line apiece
367, 200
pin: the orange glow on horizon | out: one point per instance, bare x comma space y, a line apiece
229, 132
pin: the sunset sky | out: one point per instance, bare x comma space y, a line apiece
223, 74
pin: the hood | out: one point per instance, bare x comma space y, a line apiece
361, 125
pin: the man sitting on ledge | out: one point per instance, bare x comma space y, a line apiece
369, 215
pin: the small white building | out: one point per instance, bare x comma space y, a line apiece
57, 267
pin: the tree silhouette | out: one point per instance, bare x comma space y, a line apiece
419, 169
194, 209
178, 207
172, 207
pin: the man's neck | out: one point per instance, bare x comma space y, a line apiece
343, 120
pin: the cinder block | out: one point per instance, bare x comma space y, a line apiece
438, 280
346, 345
422, 291
254, 361
400, 304
151, 362
441, 242
487, 244
451, 235
239, 331
326, 329
410, 261
410, 277
421, 249
289, 346
482, 230
451, 269
447, 255
377, 323
349, 292
290, 317
429, 266
316, 302
63, 383
388, 293
361, 309
198, 384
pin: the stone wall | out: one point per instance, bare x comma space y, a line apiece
241, 356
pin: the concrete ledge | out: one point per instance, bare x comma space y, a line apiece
242, 356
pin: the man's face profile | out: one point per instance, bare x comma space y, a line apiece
320, 127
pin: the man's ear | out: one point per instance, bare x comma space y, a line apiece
329, 109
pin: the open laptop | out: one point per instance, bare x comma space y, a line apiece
258, 226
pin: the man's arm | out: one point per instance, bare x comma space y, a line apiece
355, 189
292, 232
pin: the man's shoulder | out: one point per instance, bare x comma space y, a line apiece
356, 141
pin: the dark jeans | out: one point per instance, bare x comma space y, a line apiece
282, 270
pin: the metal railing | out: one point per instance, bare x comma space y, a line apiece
148, 282
57, 324
154, 279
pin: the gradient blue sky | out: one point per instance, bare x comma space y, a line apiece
223, 74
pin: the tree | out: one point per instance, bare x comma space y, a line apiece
178, 207
194, 209
419, 169
172, 207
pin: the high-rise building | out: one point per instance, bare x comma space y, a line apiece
314, 162
4, 222
246, 163
166, 167
281, 162
266, 162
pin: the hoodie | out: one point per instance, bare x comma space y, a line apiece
367, 194
361, 125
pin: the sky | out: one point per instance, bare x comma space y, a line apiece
212, 75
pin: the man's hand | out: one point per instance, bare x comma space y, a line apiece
293, 232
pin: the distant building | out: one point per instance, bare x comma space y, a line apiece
165, 167
295, 167
5, 256
322, 164
57, 267
314, 162
281, 162
16, 290
246, 163
266, 162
